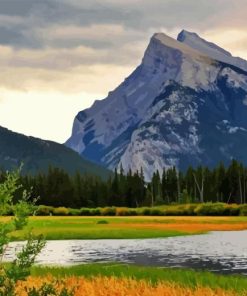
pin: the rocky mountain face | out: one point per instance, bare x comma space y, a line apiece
37, 155
185, 104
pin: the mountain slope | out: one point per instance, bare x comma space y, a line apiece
186, 103
37, 155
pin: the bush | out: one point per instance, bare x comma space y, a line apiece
9, 211
44, 211
102, 222
74, 212
243, 210
85, 212
181, 210
145, 211
90, 212
211, 209
232, 210
125, 212
156, 212
108, 211
61, 211
95, 212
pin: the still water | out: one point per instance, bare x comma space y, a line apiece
221, 251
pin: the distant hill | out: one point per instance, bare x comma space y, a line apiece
37, 155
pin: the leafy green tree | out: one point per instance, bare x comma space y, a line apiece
19, 269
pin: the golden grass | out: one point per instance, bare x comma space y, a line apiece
105, 286
127, 227
185, 226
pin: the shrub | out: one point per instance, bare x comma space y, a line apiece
145, 211
156, 212
108, 211
211, 209
232, 210
243, 210
133, 212
102, 222
44, 211
95, 212
124, 212
61, 211
85, 212
181, 210
90, 212
74, 212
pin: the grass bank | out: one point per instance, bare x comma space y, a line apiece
125, 227
182, 277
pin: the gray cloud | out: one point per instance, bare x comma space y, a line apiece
62, 35
139, 15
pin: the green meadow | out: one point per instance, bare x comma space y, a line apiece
124, 227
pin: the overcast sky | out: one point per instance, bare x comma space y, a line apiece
58, 56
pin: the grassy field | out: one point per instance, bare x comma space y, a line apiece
181, 277
126, 227
105, 286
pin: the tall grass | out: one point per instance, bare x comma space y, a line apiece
102, 286
182, 277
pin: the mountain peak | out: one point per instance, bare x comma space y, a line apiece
161, 40
184, 34
194, 40
210, 49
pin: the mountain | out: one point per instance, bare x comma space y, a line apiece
37, 155
211, 49
185, 104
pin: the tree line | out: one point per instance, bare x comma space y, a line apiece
226, 184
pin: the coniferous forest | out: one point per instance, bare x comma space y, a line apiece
201, 184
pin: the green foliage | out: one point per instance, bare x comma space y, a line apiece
61, 211
85, 212
102, 222
74, 212
211, 209
243, 210
44, 211
108, 211
126, 212
20, 268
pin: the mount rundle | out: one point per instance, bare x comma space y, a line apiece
185, 104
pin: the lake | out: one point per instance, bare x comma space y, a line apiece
221, 251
